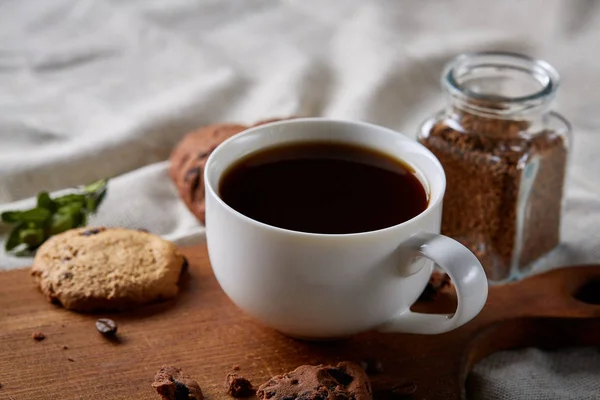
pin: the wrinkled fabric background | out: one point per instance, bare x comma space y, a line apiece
93, 89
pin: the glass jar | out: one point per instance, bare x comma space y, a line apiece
505, 157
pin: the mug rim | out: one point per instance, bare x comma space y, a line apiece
209, 187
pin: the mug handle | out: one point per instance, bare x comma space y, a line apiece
468, 278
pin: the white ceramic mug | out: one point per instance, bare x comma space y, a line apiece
322, 286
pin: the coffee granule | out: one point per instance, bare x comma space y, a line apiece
504, 189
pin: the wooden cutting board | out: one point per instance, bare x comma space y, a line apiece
205, 334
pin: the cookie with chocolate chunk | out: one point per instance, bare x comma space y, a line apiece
345, 381
171, 384
189, 157
106, 269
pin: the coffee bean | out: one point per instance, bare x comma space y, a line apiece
39, 336
405, 388
106, 326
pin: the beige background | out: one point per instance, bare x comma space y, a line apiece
90, 89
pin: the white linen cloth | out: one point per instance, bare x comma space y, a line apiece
98, 88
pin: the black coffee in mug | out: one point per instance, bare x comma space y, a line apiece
323, 187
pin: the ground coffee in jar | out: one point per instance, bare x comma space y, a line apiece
505, 158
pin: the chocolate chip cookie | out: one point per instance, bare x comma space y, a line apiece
189, 157
345, 381
171, 384
106, 269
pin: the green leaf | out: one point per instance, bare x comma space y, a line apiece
71, 208
83, 221
92, 204
73, 212
96, 193
11, 217
61, 222
44, 201
78, 219
23, 250
96, 188
100, 198
52, 216
33, 237
13, 238
69, 199
37, 215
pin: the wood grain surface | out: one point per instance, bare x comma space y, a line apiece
205, 334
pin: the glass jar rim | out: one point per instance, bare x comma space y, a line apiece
506, 60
